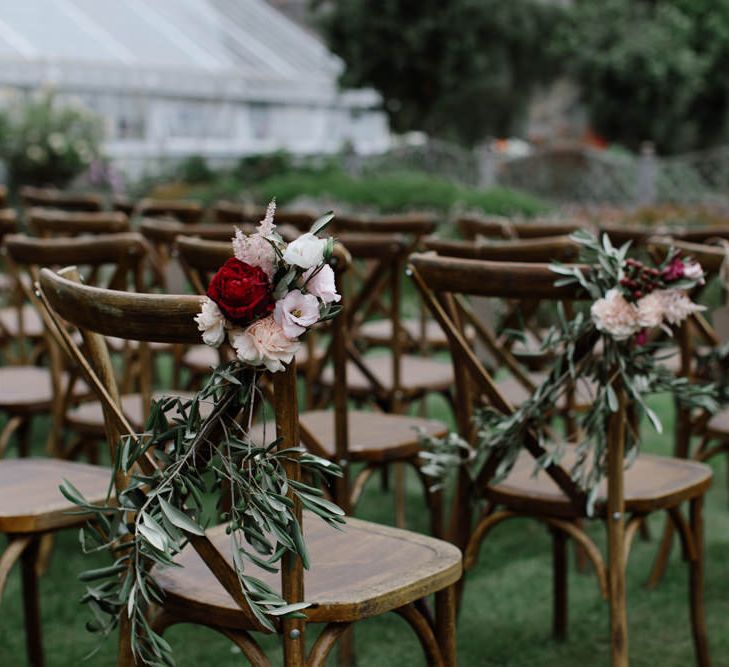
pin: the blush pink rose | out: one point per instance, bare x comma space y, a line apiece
264, 343
615, 316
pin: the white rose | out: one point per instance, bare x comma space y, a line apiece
212, 323
321, 283
307, 251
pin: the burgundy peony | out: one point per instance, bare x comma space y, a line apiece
674, 271
241, 291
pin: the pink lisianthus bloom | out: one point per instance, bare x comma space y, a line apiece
255, 249
615, 316
321, 283
296, 312
264, 343
211, 322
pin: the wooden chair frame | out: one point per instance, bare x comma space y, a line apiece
169, 319
439, 280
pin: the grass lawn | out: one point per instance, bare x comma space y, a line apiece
506, 616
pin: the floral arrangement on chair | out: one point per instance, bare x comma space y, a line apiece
261, 301
629, 301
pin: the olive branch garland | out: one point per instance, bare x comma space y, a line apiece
200, 458
635, 366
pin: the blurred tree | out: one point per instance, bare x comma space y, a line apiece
651, 69
458, 69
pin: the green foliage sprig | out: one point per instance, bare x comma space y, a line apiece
635, 367
203, 451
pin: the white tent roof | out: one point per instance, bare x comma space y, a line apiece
205, 48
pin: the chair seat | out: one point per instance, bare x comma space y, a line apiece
418, 375
201, 358
29, 497
32, 321
360, 571
374, 437
379, 332
651, 483
28, 389
516, 393
718, 425
89, 417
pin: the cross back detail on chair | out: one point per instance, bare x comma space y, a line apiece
495, 336
169, 319
443, 282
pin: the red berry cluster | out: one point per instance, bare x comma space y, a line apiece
640, 279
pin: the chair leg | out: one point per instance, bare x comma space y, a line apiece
696, 584
664, 552
445, 624
616, 585
345, 648
399, 474
559, 564
31, 604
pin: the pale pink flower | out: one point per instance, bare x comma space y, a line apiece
321, 284
255, 249
650, 310
615, 316
307, 251
264, 343
267, 226
677, 306
296, 312
211, 322
693, 271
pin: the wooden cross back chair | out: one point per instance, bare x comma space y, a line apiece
627, 495
359, 572
472, 227
247, 214
177, 209
696, 337
523, 358
393, 380
419, 333
59, 199
113, 260
51, 223
24, 321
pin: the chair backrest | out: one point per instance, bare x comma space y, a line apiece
178, 209
48, 223
445, 284
236, 213
169, 319
472, 227
493, 331
8, 222
65, 201
114, 260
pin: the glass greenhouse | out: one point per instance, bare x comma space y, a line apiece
219, 78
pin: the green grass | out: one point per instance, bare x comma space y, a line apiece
506, 616
392, 191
